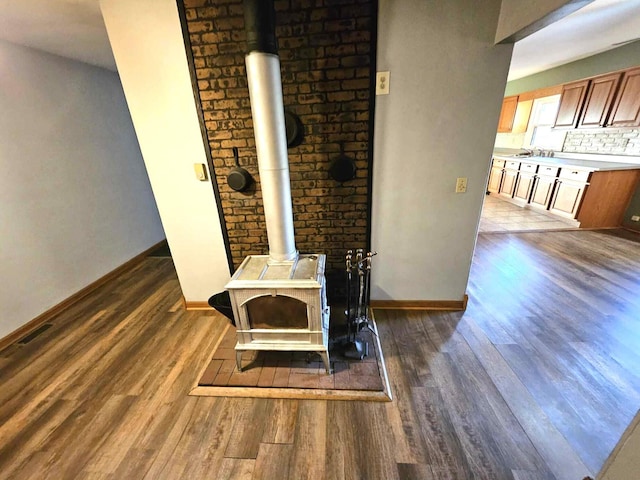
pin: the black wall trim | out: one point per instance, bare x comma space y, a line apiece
372, 114
205, 138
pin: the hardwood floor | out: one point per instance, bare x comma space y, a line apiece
536, 380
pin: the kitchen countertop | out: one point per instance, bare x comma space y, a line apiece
577, 163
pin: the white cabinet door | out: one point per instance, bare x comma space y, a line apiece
542, 192
495, 179
566, 198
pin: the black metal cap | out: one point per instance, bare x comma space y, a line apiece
260, 25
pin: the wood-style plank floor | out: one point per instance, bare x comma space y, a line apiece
536, 380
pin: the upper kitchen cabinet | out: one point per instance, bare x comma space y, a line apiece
507, 114
571, 103
514, 116
599, 100
523, 113
626, 110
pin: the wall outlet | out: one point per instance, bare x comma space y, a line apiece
635, 218
382, 83
461, 184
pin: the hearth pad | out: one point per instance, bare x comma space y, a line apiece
294, 374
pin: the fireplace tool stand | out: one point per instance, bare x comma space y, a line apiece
357, 312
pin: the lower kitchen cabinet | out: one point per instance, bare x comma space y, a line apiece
524, 186
524, 183
566, 198
593, 199
542, 191
543, 186
495, 176
607, 197
569, 190
509, 177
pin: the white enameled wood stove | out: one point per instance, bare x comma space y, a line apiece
281, 306
278, 300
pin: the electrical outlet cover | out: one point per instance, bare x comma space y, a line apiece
382, 83
461, 184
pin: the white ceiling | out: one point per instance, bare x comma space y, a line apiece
74, 29
70, 28
593, 29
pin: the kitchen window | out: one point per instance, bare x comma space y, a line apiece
540, 132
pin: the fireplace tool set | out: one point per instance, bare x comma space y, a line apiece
357, 311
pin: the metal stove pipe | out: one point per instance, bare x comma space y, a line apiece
267, 110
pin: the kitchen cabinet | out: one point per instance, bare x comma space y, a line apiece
611, 100
495, 176
507, 114
509, 177
514, 116
543, 186
571, 103
524, 183
591, 199
521, 119
599, 100
607, 197
566, 198
626, 110
570, 187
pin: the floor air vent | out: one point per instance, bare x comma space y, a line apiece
35, 333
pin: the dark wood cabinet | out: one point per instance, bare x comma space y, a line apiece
507, 114
607, 198
626, 110
571, 103
599, 100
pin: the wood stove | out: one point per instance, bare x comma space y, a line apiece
278, 300
281, 306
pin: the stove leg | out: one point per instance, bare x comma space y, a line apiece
325, 360
239, 360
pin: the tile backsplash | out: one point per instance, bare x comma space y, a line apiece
607, 141
604, 141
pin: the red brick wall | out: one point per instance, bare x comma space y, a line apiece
326, 60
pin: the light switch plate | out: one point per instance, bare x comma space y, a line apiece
201, 171
461, 184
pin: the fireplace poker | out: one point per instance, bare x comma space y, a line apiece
360, 266
357, 315
348, 311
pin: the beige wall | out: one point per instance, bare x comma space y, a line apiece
75, 200
147, 43
438, 123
